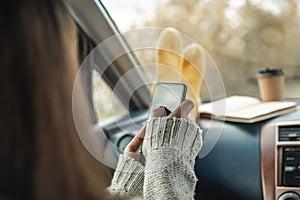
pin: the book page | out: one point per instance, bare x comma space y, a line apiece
228, 105
261, 109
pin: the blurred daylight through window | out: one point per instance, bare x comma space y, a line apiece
241, 36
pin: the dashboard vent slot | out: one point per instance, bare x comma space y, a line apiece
289, 133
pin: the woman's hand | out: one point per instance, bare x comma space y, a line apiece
181, 111
132, 149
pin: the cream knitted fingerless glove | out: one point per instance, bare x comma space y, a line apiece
170, 148
128, 178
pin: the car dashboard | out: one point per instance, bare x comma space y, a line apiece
248, 161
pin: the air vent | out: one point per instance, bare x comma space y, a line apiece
289, 133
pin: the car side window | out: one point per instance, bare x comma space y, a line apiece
106, 104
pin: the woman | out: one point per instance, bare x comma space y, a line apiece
41, 154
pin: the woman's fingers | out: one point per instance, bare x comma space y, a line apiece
183, 109
137, 141
158, 112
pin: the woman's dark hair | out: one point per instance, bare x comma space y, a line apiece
40, 152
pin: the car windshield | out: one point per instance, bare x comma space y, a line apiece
242, 37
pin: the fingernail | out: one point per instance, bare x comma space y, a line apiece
186, 107
188, 104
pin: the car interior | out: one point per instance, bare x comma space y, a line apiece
259, 160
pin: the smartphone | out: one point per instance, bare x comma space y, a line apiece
169, 95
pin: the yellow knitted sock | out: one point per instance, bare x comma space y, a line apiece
169, 45
193, 68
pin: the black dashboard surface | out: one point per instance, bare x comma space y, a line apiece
231, 170
233, 165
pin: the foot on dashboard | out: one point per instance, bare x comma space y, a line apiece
168, 50
193, 69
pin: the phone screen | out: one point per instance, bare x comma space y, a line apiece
169, 95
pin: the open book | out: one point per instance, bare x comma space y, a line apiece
245, 109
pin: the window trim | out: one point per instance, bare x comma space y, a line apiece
90, 15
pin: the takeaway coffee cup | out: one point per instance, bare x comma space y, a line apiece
271, 84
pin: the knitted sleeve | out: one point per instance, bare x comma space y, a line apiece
128, 178
170, 148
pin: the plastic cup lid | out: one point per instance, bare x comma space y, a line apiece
269, 72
